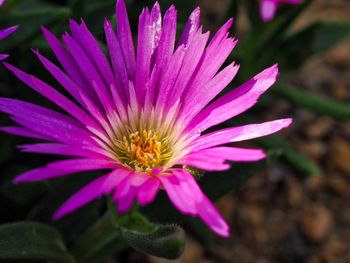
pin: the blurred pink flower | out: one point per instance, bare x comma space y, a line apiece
268, 7
141, 114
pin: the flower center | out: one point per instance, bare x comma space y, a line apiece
143, 150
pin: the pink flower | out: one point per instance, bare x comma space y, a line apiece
268, 7
141, 116
4, 33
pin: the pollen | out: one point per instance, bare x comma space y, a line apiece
143, 150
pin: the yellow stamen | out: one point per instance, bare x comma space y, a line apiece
143, 150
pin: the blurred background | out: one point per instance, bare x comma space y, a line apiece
296, 206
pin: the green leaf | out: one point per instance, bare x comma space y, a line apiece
32, 241
295, 159
165, 241
266, 33
313, 39
100, 240
59, 190
216, 185
259, 47
313, 102
30, 21
113, 232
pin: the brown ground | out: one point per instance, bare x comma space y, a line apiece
280, 216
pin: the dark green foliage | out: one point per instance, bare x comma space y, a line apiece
95, 231
164, 241
314, 102
27, 240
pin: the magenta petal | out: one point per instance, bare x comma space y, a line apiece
3, 56
88, 193
125, 202
90, 71
230, 154
94, 51
144, 53
61, 77
6, 32
59, 149
236, 101
167, 82
203, 163
117, 59
124, 187
267, 9
139, 178
125, 38
66, 60
164, 51
171, 185
193, 55
47, 122
191, 27
19, 131
209, 214
214, 56
186, 195
63, 168
239, 133
114, 179
148, 191
53, 95
197, 99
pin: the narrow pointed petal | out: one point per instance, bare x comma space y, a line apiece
235, 102
125, 38
117, 59
196, 100
53, 95
87, 194
67, 61
193, 55
218, 50
47, 122
230, 154
171, 73
114, 179
6, 32
150, 25
93, 49
164, 51
191, 27
90, 71
125, 202
59, 149
202, 163
209, 214
186, 195
148, 191
3, 56
171, 185
63, 168
139, 179
61, 77
24, 132
240, 133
